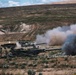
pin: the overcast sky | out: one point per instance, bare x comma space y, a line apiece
10, 3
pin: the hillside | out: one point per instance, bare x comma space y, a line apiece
40, 17
65, 2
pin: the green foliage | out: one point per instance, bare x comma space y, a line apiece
22, 66
64, 65
72, 66
13, 63
52, 61
45, 61
66, 59
40, 74
6, 66
16, 66
46, 66
1, 65
31, 72
54, 65
52, 53
30, 65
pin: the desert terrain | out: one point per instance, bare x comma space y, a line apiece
25, 23
39, 17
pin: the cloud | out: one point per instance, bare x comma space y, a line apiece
44, 0
26, 3
3, 4
13, 3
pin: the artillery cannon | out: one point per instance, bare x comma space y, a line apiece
8, 45
11, 49
23, 52
30, 52
25, 43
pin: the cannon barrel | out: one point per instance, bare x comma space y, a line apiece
53, 49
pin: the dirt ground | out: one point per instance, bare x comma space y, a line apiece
49, 71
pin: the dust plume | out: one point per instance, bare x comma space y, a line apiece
69, 47
18, 45
56, 36
24, 27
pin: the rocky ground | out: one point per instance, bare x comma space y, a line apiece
47, 63
40, 18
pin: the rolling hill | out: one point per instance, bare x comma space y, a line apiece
40, 17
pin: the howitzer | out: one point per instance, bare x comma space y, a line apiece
8, 45
23, 52
30, 52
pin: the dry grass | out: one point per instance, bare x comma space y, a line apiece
55, 65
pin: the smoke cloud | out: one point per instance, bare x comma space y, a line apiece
18, 45
56, 36
1, 33
69, 47
24, 27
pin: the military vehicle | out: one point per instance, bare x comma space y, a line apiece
30, 52
8, 45
23, 52
11, 49
25, 43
